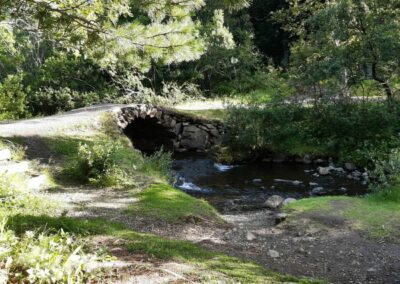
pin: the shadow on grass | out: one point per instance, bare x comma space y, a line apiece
235, 269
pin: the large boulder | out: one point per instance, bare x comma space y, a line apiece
194, 138
274, 202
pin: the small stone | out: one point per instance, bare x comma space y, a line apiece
340, 170
318, 191
250, 236
313, 184
349, 166
356, 174
307, 159
280, 217
323, 171
319, 161
5, 154
256, 180
288, 201
342, 190
273, 253
293, 182
297, 182
274, 202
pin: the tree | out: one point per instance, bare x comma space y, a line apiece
107, 32
345, 42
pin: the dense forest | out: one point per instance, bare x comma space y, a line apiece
300, 80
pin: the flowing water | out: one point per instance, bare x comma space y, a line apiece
247, 186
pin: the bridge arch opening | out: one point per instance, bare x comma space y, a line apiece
148, 135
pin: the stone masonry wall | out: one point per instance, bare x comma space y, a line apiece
180, 132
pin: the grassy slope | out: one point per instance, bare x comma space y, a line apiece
374, 214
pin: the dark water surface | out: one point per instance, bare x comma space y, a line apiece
247, 186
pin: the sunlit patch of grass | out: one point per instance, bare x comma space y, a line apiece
206, 114
373, 214
163, 202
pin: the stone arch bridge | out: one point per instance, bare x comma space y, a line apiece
150, 128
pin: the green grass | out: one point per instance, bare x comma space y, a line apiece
162, 202
376, 214
206, 114
234, 269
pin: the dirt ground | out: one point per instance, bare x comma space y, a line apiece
328, 249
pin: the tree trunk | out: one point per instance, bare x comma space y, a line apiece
385, 85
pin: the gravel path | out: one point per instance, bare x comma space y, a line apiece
79, 121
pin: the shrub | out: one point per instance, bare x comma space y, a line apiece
108, 162
41, 258
95, 163
360, 132
49, 100
12, 98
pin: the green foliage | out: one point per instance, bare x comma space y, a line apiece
159, 163
63, 83
97, 163
41, 258
12, 98
50, 101
387, 170
36, 257
230, 62
359, 132
343, 43
111, 162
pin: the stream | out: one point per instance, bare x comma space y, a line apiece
247, 186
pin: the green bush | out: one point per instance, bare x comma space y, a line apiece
96, 163
12, 98
48, 100
112, 162
359, 132
41, 258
